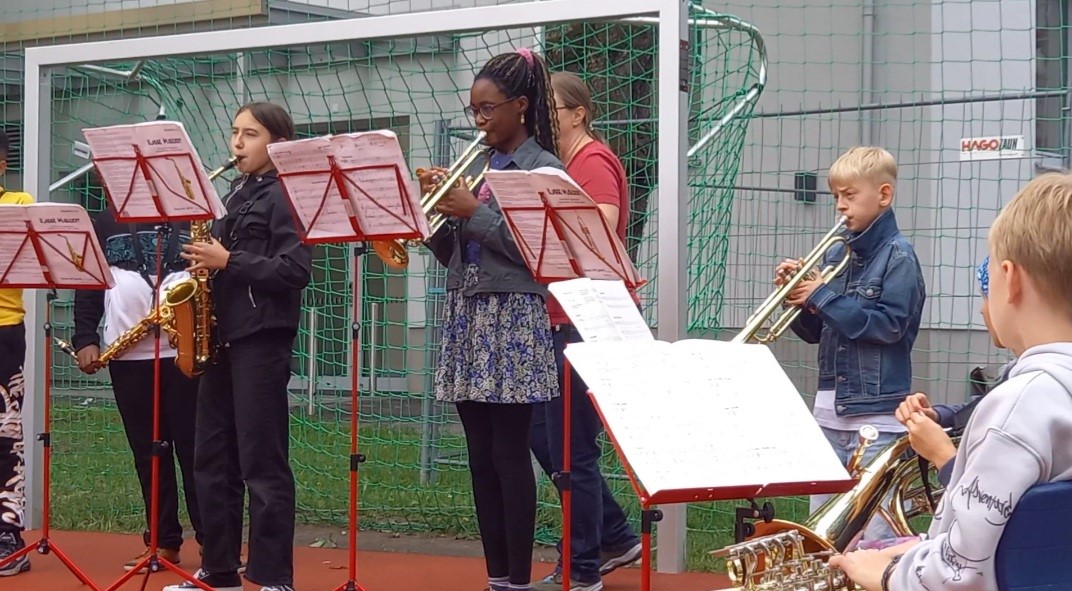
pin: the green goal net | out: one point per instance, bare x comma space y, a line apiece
913, 76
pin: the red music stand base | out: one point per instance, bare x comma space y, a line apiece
152, 564
46, 546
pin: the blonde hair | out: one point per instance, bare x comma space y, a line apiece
864, 163
1033, 231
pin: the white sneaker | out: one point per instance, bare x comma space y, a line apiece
277, 588
231, 582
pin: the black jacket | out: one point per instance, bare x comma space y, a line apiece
131, 247
260, 288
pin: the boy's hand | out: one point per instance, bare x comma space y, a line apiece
929, 439
785, 270
916, 403
864, 567
803, 291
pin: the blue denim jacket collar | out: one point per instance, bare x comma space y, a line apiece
875, 236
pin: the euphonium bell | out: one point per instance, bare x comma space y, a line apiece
393, 252
807, 270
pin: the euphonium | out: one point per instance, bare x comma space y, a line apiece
184, 314
835, 526
777, 299
393, 252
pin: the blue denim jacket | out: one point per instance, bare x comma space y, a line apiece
866, 320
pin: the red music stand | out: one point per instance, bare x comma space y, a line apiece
38, 262
313, 214
564, 248
696, 494
195, 206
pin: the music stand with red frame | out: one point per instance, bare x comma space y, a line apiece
342, 183
649, 516
553, 217
153, 562
32, 237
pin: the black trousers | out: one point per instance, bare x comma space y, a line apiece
12, 461
504, 487
132, 383
243, 434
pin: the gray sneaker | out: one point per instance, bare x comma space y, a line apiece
11, 543
553, 582
611, 560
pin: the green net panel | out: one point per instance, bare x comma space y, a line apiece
914, 76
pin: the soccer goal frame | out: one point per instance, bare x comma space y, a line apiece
673, 76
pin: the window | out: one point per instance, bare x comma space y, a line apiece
1051, 76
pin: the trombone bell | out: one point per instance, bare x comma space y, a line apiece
807, 270
393, 252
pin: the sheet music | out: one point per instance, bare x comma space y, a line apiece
322, 213
521, 204
601, 310
68, 246
704, 414
382, 199
591, 240
176, 173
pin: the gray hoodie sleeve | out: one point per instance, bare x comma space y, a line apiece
997, 469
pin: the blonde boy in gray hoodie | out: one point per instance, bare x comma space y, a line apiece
1020, 434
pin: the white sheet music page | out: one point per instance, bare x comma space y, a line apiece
18, 260
601, 310
377, 196
176, 173
536, 237
304, 170
591, 240
69, 245
704, 414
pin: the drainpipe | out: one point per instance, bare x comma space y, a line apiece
867, 70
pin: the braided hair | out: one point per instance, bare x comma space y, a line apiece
524, 73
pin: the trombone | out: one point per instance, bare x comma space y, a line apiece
393, 252
807, 269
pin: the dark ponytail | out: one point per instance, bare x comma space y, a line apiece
524, 73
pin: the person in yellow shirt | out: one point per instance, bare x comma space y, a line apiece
12, 357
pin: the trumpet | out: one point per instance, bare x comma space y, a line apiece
807, 270
394, 252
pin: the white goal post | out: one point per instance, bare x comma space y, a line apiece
673, 190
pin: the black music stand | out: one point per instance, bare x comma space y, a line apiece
53, 271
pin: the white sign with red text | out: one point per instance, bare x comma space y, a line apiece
994, 147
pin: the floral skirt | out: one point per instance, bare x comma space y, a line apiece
497, 347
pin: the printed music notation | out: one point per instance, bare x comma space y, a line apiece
335, 182
50, 245
699, 414
601, 310
152, 171
559, 228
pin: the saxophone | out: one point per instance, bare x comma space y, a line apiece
184, 314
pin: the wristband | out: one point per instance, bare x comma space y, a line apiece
886, 574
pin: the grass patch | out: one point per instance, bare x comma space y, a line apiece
95, 487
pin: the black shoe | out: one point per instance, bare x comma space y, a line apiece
226, 582
612, 560
11, 543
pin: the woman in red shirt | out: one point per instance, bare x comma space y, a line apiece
601, 538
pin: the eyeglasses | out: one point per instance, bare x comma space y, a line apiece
486, 111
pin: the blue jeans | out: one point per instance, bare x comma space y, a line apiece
844, 443
598, 522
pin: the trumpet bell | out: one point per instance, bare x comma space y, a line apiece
392, 252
